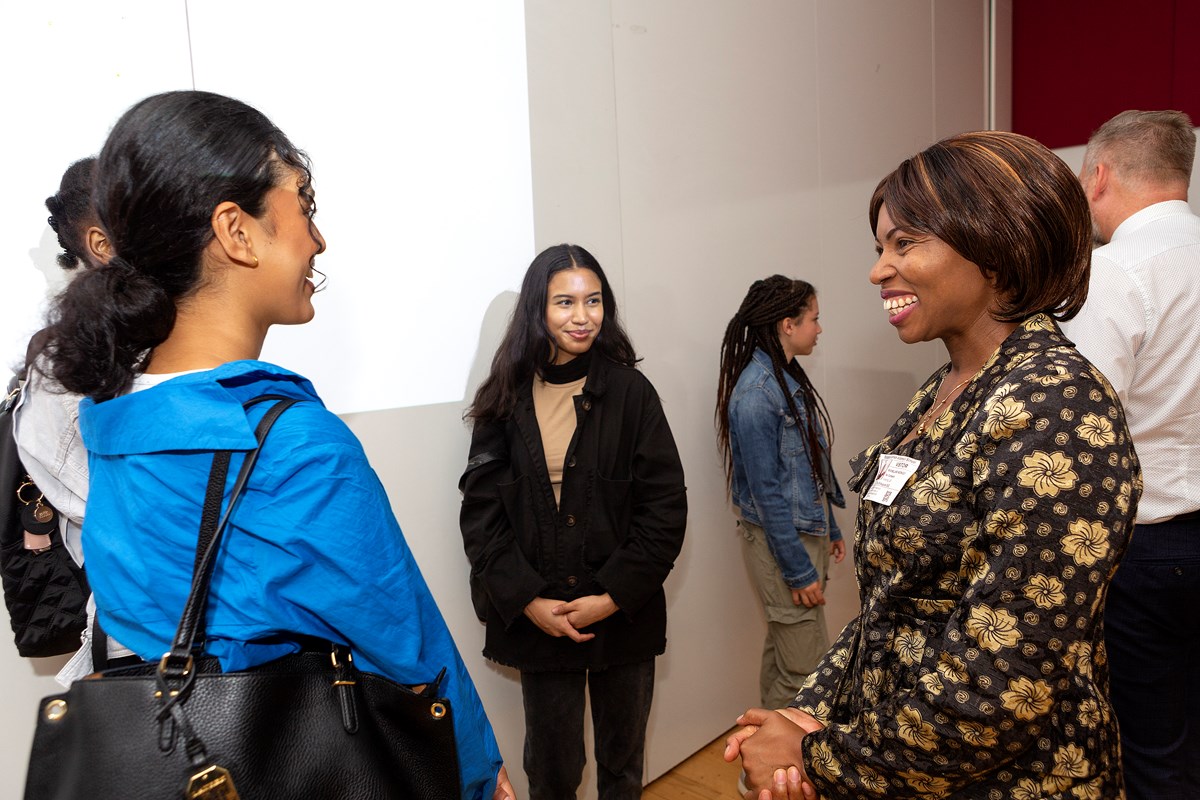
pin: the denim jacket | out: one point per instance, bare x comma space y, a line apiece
773, 485
46, 428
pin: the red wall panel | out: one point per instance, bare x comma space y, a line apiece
1078, 62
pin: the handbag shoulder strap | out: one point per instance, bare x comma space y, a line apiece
215, 492
177, 662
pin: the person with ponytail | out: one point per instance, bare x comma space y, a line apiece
208, 209
774, 434
573, 513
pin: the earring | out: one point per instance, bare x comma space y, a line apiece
256, 261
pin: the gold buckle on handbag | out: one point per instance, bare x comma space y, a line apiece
162, 665
211, 783
162, 670
337, 665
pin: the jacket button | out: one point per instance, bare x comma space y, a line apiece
570, 520
571, 461
572, 581
586, 405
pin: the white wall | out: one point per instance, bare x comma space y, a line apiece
693, 147
416, 119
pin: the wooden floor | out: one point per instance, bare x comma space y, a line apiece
704, 776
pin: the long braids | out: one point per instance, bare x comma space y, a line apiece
756, 325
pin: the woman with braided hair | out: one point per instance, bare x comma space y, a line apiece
774, 433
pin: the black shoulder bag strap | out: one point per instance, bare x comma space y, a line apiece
176, 671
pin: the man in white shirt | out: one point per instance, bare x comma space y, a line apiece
1141, 328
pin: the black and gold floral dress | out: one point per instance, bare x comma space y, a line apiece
976, 668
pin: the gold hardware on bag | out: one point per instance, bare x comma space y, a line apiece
437, 710
211, 783
162, 665
42, 513
21, 489
333, 659
55, 710
158, 693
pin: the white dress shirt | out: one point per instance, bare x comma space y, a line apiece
1141, 328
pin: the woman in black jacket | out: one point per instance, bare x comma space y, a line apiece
573, 513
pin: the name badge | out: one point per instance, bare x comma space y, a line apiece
893, 472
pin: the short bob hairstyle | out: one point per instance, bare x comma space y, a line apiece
1009, 205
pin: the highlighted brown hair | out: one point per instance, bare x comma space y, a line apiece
1007, 204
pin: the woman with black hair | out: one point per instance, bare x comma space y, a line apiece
46, 418
573, 514
73, 218
774, 433
209, 211
45, 421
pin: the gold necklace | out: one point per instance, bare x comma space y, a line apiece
932, 412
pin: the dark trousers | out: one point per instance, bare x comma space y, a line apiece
554, 756
1152, 632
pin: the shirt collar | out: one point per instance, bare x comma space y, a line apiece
1151, 213
763, 360
195, 411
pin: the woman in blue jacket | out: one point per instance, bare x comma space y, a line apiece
209, 213
774, 434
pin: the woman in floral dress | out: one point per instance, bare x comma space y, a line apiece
993, 513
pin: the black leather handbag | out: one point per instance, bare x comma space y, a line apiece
305, 725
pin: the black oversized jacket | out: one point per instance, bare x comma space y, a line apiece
618, 529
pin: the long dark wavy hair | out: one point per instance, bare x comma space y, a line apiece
756, 324
168, 162
528, 345
71, 213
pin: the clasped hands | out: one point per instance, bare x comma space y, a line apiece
561, 618
769, 745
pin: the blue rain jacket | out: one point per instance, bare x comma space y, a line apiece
313, 547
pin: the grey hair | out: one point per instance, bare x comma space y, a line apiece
1145, 146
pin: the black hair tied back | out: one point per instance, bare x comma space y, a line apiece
168, 162
112, 315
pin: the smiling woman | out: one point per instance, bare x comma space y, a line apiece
573, 513
993, 513
289, 243
574, 312
208, 207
